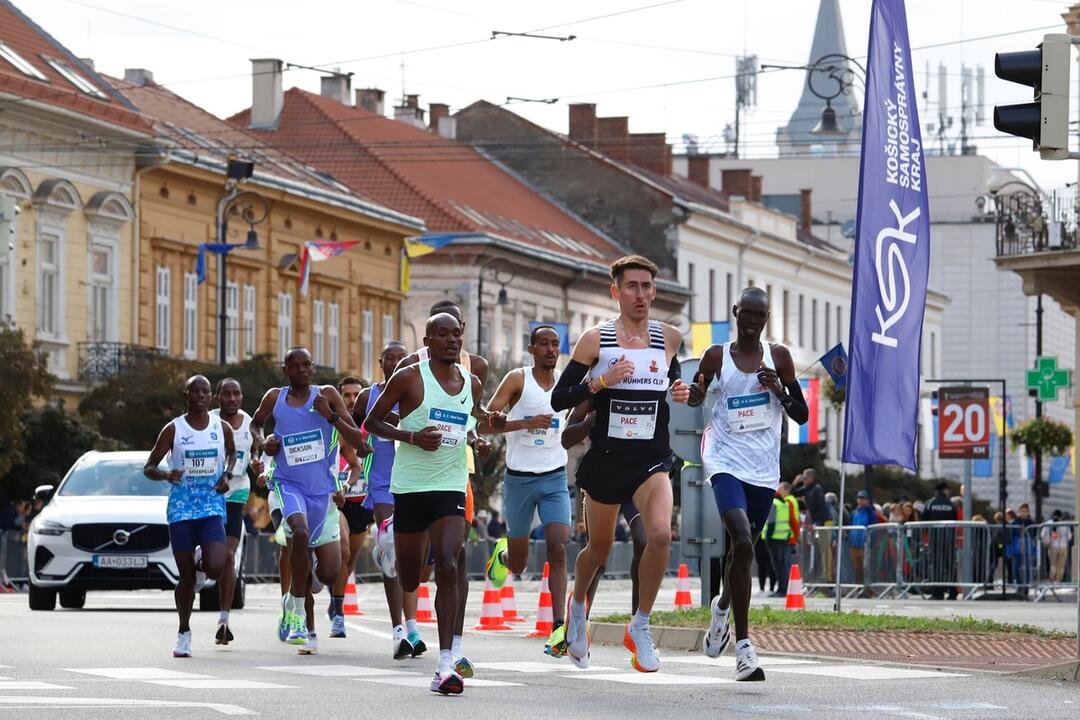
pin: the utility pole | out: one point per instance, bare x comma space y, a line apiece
1037, 484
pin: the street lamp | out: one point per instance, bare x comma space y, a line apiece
500, 271
827, 78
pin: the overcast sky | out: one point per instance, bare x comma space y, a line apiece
641, 61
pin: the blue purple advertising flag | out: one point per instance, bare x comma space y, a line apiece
892, 256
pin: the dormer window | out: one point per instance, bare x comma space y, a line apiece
75, 79
20, 63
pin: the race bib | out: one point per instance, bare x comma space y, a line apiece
201, 463
303, 448
541, 438
451, 424
632, 419
749, 412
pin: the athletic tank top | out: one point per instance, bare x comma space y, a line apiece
306, 456
535, 451
743, 434
465, 360
380, 462
240, 485
632, 415
201, 455
417, 470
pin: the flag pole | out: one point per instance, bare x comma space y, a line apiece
840, 532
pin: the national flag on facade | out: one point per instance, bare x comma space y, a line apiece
810, 432
835, 363
419, 247
200, 257
317, 251
703, 335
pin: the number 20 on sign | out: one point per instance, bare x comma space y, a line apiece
963, 423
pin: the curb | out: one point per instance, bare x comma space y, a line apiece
667, 638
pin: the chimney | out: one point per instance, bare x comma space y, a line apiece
583, 123
336, 87
697, 169
651, 152
737, 182
412, 101
88, 62
372, 99
138, 76
806, 215
613, 137
755, 188
267, 98
410, 112
436, 111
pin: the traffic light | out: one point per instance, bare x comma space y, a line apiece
1045, 121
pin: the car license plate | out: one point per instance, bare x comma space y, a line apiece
120, 562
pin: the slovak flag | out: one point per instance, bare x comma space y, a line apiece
806, 434
316, 251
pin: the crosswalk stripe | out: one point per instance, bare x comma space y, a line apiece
137, 673
334, 670
30, 701
424, 682
866, 672
31, 685
216, 684
728, 662
526, 666
652, 678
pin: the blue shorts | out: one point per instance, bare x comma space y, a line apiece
523, 495
378, 493
313, 505
756, 501
186, 534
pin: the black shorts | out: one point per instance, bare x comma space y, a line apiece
415, 512
234, 519
358, 516
275, 518
612, 477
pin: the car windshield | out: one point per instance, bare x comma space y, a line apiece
110, 476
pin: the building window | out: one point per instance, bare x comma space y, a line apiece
20, 63
367, 343
333, 334
49, 285
163, 295
318, 333
712, 296
249, 321
191, 315
232, 322
388, 333
102, 293
799, 327
727, 293
692, 289
933, 354
284, 322
839, 324
76, 79
787, 317
828, 322
813, 324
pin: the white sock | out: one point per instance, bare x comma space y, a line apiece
411, 626
640, 620
296, 604
223, 617
742, 645
577, 609
446, 663
399, 632
455, 647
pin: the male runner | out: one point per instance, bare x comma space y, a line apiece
355, 518
230, 397
202, 457
406, 639
435, 397
305, 417
631, 363
740, 452
478, 366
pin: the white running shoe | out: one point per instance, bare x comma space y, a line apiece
719, 635
638, 640
312, 646
183, 645
200, 576
447, 683
384, 553
746, 664
578, 643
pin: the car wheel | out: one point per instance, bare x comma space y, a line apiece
73, 599
208, 598
238, 594
42, 598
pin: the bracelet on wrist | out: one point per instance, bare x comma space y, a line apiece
603, 383
411, 437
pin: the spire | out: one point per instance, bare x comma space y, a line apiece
796, 137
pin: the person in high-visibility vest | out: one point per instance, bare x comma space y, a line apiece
781, 533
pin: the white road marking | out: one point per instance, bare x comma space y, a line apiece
137, 673
334, 670
425, 682
728, 662
17, 701
5, 677
369, 631
31, 685
528, 666
892, 710
652, 678
866, 672
216, 684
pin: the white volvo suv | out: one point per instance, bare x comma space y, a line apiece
104, 528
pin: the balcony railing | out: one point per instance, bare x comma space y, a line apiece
1028, 222
102, 360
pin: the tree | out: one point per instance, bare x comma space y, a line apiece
24, 375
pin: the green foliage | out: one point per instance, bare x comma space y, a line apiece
24, 375
833, 395
1042, 435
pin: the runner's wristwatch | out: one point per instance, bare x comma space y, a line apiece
786, 400
334, 417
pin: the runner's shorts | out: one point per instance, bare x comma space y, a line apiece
314, 506
611, 477
731, 492
186, 534
415, 512
330, 532
544, 494
378, 493
234, 519
357, 515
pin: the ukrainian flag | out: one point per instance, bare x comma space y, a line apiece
418, 247
705, 334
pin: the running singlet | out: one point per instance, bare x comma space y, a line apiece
632, 415
417, 470
465, 359
743, 434
201, 455
535, 451
353, 493
305, 458
378, 465
240, 485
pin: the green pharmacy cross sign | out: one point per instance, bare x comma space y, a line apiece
1047, 379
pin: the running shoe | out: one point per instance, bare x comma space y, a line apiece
746, 664
719, 635
183, 645
418, 646
224, 634
283, 621
298, 633
463, 667
311, 647
643, 657
447, 683
383, 551
403, 649
337, 626
578, 642
496, 569
200, 576
556, 642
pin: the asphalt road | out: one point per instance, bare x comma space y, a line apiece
113, 660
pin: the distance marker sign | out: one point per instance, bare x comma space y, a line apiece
963, 423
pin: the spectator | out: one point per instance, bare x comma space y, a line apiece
7, 516
480, 524
496, 528
983, 562
1025, 548
782, 533
1009, 542
1055, 538
865, 515
896, 513
909, 512
807, 488
941, 543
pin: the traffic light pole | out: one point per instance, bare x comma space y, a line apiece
1037, 484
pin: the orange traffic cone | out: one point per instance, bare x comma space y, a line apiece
682, 589
491, 615
424, 611
795, 599
352, 604
509, 602
545, 613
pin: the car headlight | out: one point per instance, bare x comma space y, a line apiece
50, 527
